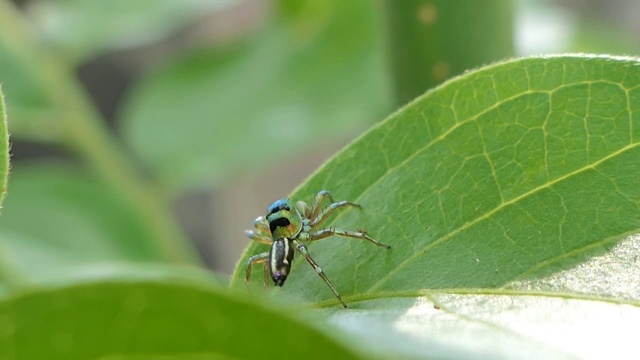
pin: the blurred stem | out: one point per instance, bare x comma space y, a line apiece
83, 130
4, 144
430, 41
9, 277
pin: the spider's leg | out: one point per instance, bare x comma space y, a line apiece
314, 222
316, 204
259, 237
257, 259
262, 225
266, 276
325, 233
303, 250
261, 234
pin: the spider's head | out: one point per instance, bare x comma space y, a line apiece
284, 219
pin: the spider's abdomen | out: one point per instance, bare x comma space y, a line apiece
280, 259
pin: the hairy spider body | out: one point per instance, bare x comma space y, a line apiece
286, 226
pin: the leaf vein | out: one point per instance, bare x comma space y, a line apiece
486, 215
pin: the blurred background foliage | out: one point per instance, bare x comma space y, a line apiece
155, 131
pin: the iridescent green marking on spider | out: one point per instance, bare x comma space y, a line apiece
286, 227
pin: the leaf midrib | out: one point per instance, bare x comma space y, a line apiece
430, 293
486, 215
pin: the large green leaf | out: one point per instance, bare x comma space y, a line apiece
132, 317
315, 73
491, 184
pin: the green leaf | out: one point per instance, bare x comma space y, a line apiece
313, 74
57, 219
490, 184
136, 318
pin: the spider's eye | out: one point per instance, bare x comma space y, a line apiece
277, 206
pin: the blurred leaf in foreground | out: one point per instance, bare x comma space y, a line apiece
141, 319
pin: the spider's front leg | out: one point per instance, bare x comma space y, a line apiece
317, 215
316, 204
262, 234
326, 212
362, 235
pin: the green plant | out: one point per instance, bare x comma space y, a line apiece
509, 195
